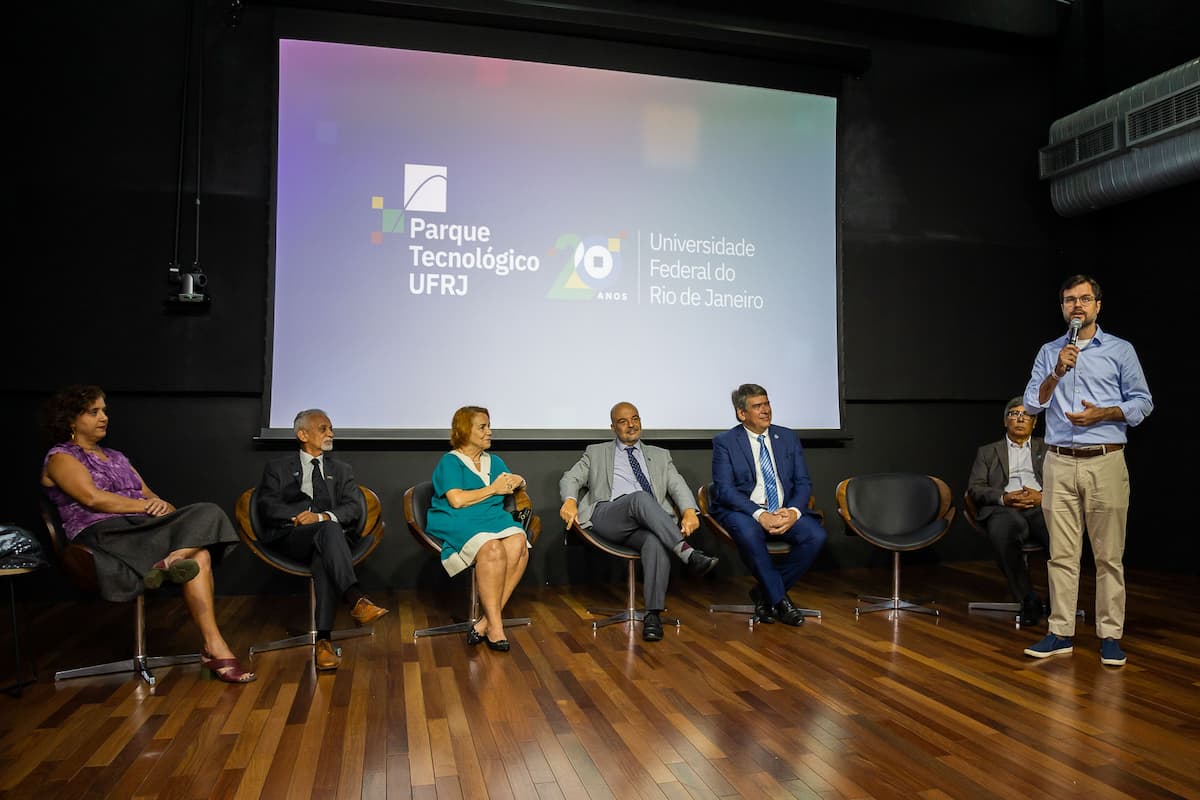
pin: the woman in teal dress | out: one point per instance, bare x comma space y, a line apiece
467, 515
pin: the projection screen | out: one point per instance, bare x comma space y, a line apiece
546, 240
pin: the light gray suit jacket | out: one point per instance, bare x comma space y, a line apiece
590, 480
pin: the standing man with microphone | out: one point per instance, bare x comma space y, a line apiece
1092, 388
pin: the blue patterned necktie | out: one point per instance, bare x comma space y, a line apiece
637, 471
768, 471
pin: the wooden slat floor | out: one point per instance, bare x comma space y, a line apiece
876, 707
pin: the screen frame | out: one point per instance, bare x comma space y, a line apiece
778, 61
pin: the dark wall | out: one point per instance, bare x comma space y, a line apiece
951, 259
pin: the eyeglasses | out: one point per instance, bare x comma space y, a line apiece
1086, 300
1018, 415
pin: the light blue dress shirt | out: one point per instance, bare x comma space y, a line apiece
1107, 373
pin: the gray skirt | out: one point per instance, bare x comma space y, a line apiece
126, 547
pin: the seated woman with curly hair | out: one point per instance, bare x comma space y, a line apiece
137, 537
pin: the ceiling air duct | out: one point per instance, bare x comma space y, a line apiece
1140, 140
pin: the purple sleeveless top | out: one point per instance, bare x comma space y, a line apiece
115, 475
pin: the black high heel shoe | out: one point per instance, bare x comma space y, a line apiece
501, 645
474, 637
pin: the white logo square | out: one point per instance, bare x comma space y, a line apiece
424, 188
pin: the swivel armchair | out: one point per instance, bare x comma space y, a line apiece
78, 562
366, 536
900, 512
630, 613
1027, 549
776, 547
417, 500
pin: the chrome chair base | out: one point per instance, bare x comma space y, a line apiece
309, 637
140, 663
624, 615
630, 613
746, 608
994, 607
473, 616
463, 627
893, 604
1013, 608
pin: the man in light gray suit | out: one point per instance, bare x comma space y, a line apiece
622, 491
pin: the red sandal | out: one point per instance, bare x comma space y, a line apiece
233, 670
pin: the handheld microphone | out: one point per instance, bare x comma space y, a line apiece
1073, 331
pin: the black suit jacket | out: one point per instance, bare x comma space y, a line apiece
279, 497
989, 474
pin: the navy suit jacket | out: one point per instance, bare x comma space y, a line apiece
279, 497
734, 476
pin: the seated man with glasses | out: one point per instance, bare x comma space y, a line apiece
1006, 485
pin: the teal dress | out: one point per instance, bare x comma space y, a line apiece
462, 531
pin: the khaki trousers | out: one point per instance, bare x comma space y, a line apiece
1093, 493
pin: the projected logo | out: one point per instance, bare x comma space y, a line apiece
591, 268
424, 190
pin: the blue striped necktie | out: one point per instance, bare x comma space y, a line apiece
768, 471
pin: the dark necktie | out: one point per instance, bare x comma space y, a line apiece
321, 497
768, 471
637, 472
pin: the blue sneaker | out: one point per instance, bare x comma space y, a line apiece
1111, 653
1052, 645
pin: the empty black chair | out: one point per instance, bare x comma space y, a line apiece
897, 511
367, 535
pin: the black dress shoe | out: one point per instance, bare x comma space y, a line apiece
652, 629
762, 611
787, 613
501, 646
1031, 610
474, 637
700, 564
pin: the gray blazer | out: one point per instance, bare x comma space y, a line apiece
989, 474
590, 480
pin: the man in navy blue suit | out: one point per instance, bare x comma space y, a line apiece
761, 489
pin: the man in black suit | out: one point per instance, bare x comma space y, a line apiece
308, 502
1006, 486
761, 489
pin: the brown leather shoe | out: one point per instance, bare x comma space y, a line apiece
365, 612
326, 656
